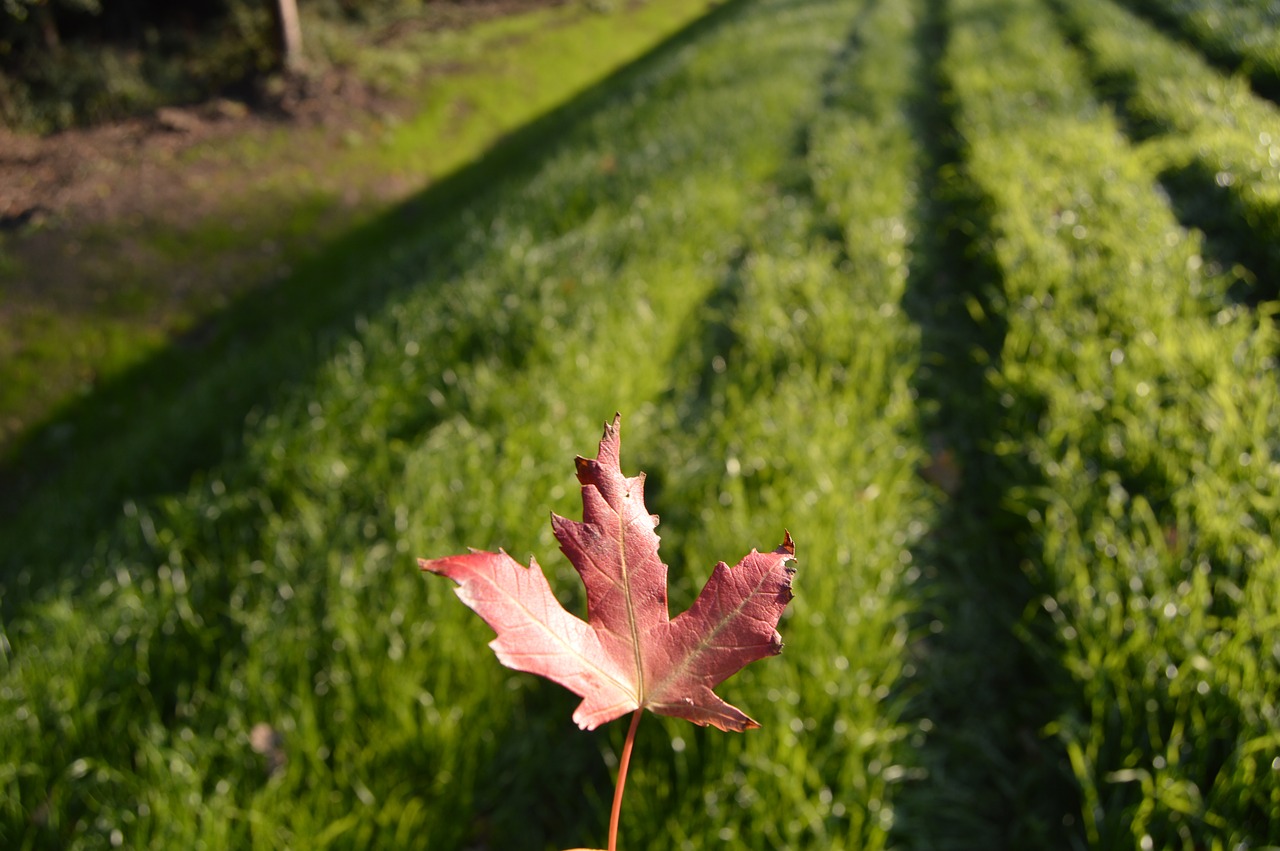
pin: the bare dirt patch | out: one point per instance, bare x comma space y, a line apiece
104, 173
70, 200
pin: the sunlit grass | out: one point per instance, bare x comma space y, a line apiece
1140, 382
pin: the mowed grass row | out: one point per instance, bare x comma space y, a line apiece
660, 260
1150, 407
806, 414
1215, 143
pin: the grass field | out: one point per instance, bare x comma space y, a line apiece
961, 294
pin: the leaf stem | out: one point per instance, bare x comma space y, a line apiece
622, 780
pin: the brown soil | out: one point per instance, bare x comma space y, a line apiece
108, 173
112, 172
57, 192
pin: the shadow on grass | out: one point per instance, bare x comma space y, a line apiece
1240, 241
986, 680
147, 431
1264, 81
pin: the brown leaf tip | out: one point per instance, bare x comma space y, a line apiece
608, 453
788, 552
611, 433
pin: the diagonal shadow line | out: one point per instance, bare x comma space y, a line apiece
985, 680
147, 431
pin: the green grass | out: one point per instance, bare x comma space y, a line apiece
888, 275
1212, 140
1150, 399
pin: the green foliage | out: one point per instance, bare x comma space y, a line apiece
74, 63
65, 63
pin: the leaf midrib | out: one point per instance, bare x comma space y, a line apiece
637, 659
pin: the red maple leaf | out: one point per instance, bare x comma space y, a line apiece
629, 654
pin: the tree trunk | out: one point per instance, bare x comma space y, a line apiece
288, 33
48, 28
